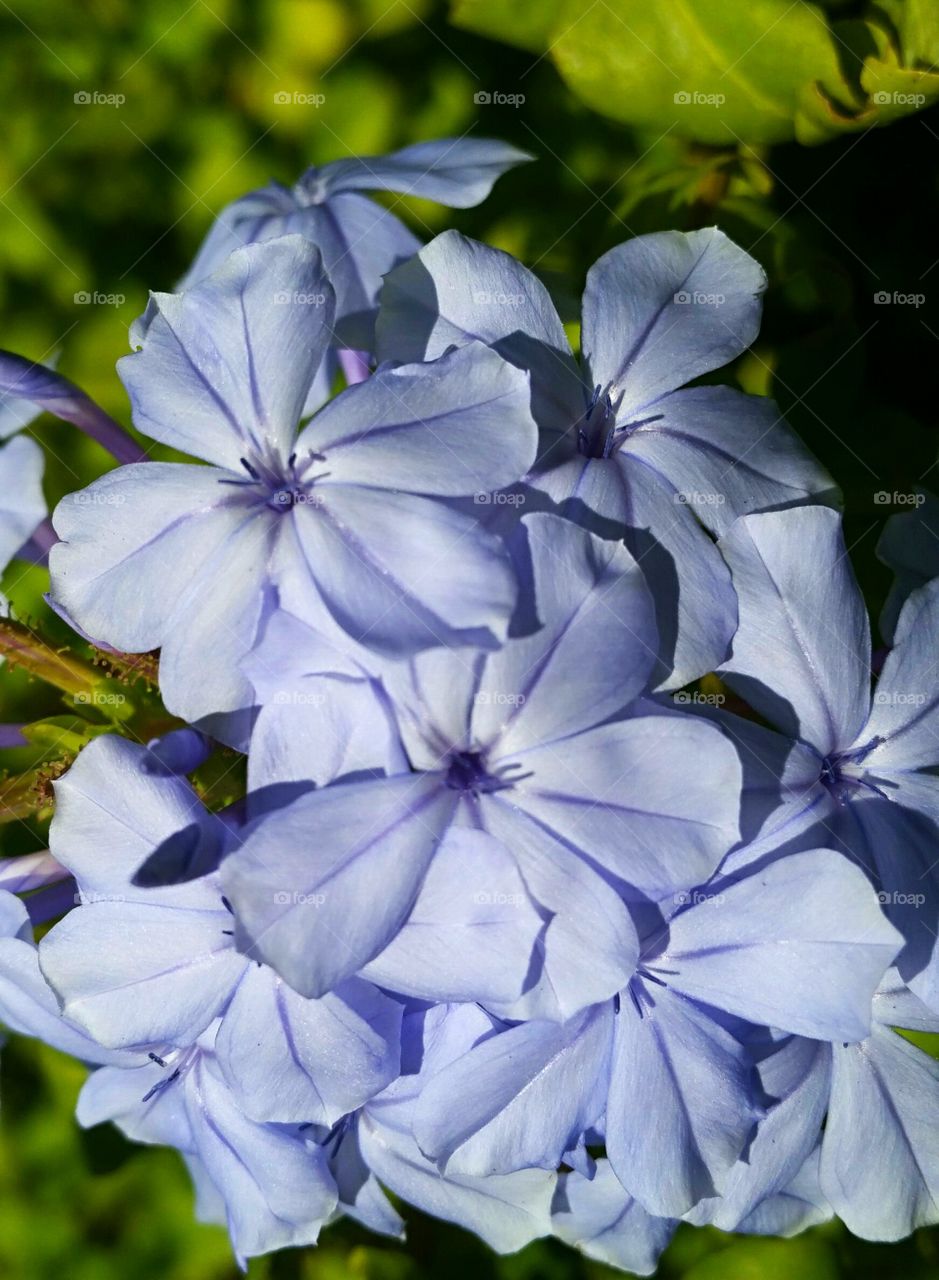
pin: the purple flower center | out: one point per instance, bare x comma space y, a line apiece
467, 772
843, 777
280, 485
598, 435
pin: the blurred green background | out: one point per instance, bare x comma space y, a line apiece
128, 125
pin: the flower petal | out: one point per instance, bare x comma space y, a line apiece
771, 949
895, 1088
508, 1211
653, 799
134, 975
134, 544
226, 366
797, 1076
111, 812
662, 309
293, 1060
456, 291
401, 573
460, 425
801, 655
728, 454
304, 881
592, 655
590, 949
277, 1188
680, 1105
22, 505
905, 714
471, 932
458, 172
602, 1220
526, 1095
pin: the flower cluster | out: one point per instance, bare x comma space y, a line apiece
517, 919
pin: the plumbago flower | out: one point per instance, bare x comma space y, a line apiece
27, 388
834, 1104
22, 505
184, 970
664, 1071
854, 768
358, 239
626, 446
211, 1052
496, 926
338, 520
269, 1184
521, 743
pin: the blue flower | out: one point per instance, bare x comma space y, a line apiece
271, 1185
359, 240
521, 745
341, 522
22, 505
26, 389
595, 1214
662, 1070
507, 1211
854, 770
625, 445
832, 1107
879, 1167
283, 1057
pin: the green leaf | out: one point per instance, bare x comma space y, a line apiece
527, 23
722, 71
809, 1257
731, 71
898, 80
916, 23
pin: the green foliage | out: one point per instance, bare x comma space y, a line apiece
725, 71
